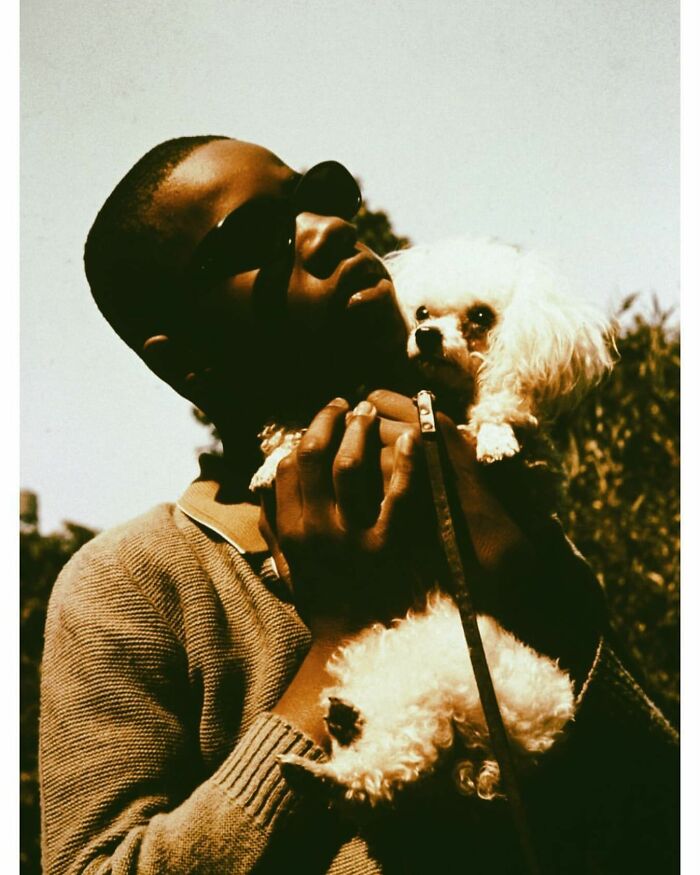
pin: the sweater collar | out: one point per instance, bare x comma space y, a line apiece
206, 502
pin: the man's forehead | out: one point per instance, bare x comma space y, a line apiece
216, 178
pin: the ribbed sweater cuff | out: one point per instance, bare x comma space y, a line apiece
252, 777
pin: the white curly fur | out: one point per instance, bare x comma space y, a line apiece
546, 348
276, 442
414, 687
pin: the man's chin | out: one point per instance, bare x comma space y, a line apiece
374, 359
347, 369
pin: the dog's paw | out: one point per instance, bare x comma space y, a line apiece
277, 443
495, 441
264, 477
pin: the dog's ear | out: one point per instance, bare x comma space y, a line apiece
550, 345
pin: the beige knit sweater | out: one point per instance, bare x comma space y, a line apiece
165, 648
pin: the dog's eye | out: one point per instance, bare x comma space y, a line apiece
422, 314
482, 316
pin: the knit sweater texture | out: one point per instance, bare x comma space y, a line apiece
165, 651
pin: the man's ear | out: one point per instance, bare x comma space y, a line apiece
174, 364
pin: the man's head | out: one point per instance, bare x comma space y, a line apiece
318, 319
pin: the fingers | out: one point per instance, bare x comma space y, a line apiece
397, 416
314, 460
396, 500
391, 430
386, 464
356, 479
391, 405
337, 529
345, 479
267, 526
268, 515
289, 506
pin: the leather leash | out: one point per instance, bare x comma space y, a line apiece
462, 597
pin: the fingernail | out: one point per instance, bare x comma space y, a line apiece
339, 402
364, 408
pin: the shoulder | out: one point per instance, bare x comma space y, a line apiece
131, 549
159, 541
145, 562
150, 533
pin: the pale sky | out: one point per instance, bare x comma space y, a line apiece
548, 123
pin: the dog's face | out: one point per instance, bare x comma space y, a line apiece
488, 320
449, 345
454, 298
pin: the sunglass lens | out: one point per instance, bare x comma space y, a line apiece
252, 236
329, 189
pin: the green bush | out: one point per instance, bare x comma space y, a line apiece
622, 448
41, 559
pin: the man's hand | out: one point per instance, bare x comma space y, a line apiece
495, 538
338, 523
337, 527
338, 543
524, 571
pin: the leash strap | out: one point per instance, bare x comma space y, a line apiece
460, 593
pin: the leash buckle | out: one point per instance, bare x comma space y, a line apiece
426, 417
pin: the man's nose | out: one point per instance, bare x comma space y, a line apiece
322, 242
429, 339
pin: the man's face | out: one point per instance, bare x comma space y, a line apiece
321, 322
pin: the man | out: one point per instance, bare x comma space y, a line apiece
179, 664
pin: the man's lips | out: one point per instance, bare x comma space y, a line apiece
363, 278
383, 289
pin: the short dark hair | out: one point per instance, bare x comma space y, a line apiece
126, 253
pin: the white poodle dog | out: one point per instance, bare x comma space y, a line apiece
494, 329
404, 694
497, 326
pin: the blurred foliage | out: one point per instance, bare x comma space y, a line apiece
622, 509
41, 558
374, 230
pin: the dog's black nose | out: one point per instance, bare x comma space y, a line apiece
429, 339
343, 721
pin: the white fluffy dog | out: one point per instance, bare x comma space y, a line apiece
496, 326
493, 328
403, 694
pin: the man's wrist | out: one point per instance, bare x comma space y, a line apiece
300, 704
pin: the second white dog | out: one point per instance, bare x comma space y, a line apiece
405, 693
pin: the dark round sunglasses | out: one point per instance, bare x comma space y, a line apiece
262, 231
